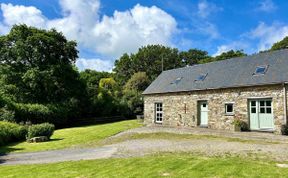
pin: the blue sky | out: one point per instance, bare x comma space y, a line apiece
105, 29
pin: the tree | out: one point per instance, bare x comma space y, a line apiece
38, 75
283, 44
148, 59
92, 78
193, 56
139, 82
225, 55
37, 65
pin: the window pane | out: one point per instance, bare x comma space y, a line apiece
253, 110
268, 110
262, 110
262, 103
229, 108
253, 103
268, 103
204, 105
260, 70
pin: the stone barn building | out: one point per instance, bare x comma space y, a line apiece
252, 89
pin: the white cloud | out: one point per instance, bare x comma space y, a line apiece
236, 45
205, 8
268, 35
94, 64
127, 31
267, 6
22, 14
111, 36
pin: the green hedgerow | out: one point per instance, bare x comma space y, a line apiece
37, 130
11, 132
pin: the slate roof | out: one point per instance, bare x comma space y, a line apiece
235, 72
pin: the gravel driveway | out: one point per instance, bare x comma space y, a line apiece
140, 147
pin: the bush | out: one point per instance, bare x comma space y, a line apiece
37, 130
243, 125
11, 132
284, 130
57, 114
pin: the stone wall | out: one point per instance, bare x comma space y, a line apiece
180, 109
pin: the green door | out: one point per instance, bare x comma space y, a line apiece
261, 114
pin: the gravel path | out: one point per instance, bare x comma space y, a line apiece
58, 156
140, 147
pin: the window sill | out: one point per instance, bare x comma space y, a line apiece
229, 114
159, 123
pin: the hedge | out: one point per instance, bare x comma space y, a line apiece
11, 132
37, 130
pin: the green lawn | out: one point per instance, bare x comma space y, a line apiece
165, 165
77, 136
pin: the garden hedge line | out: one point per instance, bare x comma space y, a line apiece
11, 132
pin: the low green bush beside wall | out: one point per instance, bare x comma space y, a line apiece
37, 130
11, 132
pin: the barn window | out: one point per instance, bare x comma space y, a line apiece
229, 108
158, 113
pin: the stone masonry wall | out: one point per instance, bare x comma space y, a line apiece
175, 113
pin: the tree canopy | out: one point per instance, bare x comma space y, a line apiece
148, 59
37, 65
283, 44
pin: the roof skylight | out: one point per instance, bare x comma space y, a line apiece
201, 77
260, 70
177, 80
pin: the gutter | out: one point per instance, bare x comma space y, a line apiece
285, 102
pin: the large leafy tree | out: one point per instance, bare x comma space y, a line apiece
283, 44
37, 66
148, 59
193, 56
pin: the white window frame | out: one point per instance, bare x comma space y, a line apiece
229, 113
158, 112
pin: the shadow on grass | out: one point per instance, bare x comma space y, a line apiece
9, 148
55, 139
4, 150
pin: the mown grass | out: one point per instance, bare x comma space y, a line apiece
74, 137
175, 136
161, 165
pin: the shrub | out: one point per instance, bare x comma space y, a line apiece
37, 130
11, 132
284, 130
57, 114
243, 125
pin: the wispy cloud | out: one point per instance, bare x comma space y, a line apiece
235, 45
267, 35
266, 6
206, 8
